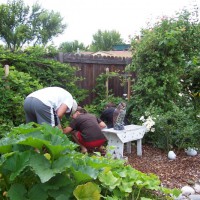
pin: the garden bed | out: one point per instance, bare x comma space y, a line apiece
184, 170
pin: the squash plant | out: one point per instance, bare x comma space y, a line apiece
40, 162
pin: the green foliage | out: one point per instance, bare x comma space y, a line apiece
103, 98
38, 62
39, 161
174, 129
33, 69
72, 47
13, 90
87, 191
20, 25
165, 60
104, 40
191, 84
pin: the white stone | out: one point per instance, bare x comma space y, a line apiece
171, 155
187, 190
194, 197
191, 152
181, 197
197, 188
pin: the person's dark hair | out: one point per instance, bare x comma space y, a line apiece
81, 110
110, 104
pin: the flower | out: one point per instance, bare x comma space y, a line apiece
180, 94
149, 123
152, 129
142, 118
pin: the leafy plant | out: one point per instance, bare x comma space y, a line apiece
103, 98
165, 60
39, 63
38, 161
14, 88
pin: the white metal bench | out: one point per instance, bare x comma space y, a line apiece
117, 139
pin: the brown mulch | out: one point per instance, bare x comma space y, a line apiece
184, 170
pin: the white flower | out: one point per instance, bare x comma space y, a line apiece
148, 123
142, 118
152, 130
182, 80
180, 94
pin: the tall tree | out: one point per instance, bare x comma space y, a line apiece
72, 46
20, 24
104, 40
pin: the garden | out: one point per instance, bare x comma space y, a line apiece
39, 162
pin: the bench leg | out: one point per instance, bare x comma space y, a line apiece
117, 148
128, 147
139, 147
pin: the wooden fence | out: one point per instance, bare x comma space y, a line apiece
91, 67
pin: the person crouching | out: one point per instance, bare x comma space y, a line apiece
86, 130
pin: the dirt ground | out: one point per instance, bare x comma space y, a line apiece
184, 170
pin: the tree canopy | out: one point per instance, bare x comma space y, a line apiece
72, 46
104, 40
21, 24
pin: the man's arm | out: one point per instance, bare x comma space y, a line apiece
61, 110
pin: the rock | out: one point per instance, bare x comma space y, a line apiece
191, 152
171, 155
197, 188
181, 197
190, 197
187, 190
194, 197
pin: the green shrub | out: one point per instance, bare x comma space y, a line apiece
166, 60
42, 65
176, 129
13, 90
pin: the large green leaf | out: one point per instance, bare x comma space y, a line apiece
51, 138
17, 192
109, 180
80, 176
37, 192
59, 187
6, 145
88, 191
16, 163
42, 167
62, 163
126, 186
84, 169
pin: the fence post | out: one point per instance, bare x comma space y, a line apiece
129, 87
107, 71
6, 68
